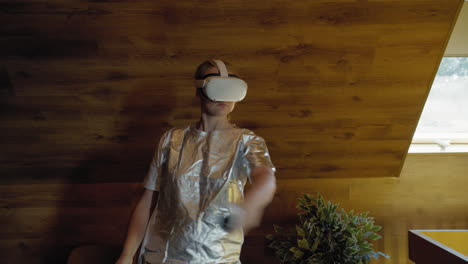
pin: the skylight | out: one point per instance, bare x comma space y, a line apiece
443, 126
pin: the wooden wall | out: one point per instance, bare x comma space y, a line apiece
431, 193
43, 222
87, 88
336, 87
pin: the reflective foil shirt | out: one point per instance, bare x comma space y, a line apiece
198, 175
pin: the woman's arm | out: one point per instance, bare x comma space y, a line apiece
137, 226
258, 196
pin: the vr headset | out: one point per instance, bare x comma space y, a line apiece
222, 86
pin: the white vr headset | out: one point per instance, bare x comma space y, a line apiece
222, 86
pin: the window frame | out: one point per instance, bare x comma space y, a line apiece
446, 142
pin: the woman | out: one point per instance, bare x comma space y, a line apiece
198, 174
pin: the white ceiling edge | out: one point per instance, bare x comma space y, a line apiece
458, 42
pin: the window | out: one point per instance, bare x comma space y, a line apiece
443, 126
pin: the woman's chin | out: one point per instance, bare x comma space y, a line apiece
221, 113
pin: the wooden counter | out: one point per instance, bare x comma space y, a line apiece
438, 246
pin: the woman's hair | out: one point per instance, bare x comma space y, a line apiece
201, 69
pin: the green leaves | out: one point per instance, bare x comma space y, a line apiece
277, 228
298, 254
303, 243
300, 231
326, 234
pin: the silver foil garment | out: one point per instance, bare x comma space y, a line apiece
198, 175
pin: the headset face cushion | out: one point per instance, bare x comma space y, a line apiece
225, 89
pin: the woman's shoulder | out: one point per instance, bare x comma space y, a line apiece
249, 132
248, 135
171, 133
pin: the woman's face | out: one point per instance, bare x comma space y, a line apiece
215, 108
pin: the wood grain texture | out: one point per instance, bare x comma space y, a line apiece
335, 87
45, 221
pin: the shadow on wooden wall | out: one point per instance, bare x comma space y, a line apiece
123, 157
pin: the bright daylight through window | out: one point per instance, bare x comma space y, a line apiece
443, 126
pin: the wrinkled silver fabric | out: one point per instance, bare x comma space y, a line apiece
198, 175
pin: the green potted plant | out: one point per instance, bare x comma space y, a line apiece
326, 235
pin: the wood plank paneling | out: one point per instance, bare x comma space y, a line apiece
430, 194
335, 87
81, 85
